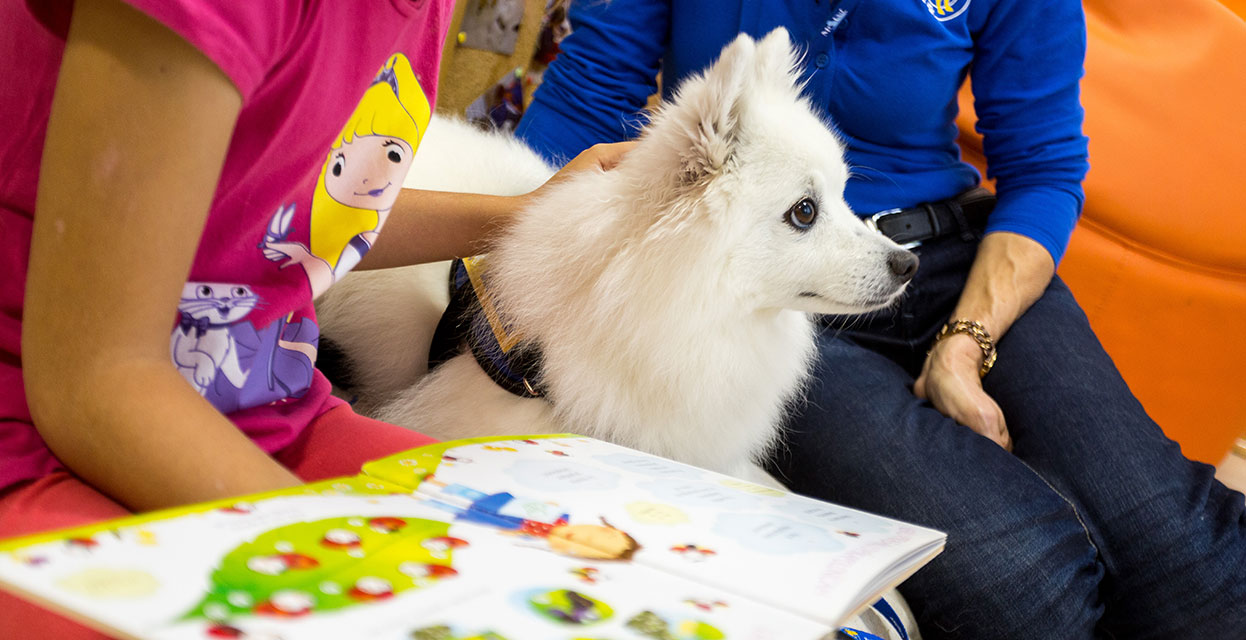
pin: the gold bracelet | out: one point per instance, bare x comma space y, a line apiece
975, 330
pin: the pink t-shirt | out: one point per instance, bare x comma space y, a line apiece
336, 96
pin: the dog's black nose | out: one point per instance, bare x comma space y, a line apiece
903, 264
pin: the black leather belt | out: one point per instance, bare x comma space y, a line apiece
965, 215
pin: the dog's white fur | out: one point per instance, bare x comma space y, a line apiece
668, 296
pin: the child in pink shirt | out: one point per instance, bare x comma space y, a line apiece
181, 179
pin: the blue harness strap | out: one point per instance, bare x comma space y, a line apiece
471, 321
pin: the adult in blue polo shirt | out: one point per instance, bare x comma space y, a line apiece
982, 405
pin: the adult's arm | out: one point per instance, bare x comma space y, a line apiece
137, 135
1027, 68
1026, 79
597, 87
1008, 275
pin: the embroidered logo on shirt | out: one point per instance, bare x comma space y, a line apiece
944, 10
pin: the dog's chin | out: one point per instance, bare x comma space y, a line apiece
813, 302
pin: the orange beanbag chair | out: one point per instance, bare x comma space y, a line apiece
1158, 260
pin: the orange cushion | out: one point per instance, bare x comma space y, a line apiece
1158, 260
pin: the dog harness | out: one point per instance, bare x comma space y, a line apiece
472, 320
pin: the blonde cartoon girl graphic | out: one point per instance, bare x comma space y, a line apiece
360, 180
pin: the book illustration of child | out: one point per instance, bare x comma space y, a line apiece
533, 518
592, 541
327, 565
359, 181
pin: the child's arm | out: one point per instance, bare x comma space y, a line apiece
426, 226
136, 139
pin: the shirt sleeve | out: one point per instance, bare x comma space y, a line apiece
244, 39
596, 89
1028, 64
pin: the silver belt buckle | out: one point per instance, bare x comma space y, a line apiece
872, 223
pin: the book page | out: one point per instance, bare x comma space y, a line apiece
362, 558
136, 575
800, 555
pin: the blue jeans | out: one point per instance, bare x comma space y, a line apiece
1095, 526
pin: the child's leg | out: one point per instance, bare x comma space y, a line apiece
339, 442
53, 502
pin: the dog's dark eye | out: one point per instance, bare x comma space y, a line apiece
802, 214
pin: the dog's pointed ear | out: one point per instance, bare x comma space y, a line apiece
705, 112
777, 62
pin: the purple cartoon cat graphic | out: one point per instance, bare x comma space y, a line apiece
230, 362
203, 347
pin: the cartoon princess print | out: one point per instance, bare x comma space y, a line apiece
360, 180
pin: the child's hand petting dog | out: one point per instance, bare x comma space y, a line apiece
602, 157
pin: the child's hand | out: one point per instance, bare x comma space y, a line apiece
603, 156
427, 226
599, 157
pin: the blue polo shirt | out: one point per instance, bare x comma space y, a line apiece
886, 71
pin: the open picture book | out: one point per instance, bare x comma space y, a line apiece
542, 537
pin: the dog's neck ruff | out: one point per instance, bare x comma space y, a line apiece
473, 320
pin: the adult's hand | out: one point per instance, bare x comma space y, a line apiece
1009, 273
949, 380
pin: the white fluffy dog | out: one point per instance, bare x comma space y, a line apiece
668, 297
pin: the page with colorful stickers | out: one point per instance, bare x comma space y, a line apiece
815, 560
364, 557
